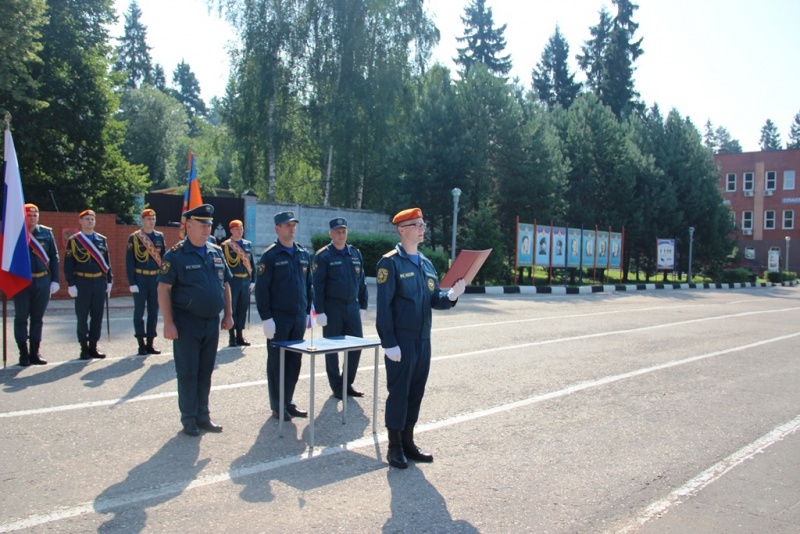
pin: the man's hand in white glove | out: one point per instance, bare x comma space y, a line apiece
457, 290
73, 291
54, 286
363, 313
393, 354
322, 319
134, 289
252, 286
269, 328
108, 290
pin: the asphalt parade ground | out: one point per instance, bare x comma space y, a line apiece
648, 412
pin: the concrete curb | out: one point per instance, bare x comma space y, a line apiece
587, 290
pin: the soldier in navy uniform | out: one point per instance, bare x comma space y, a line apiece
239, 257
284, 295
146, 249
340, 299
87, 270
32, 301
408, 288
193, 288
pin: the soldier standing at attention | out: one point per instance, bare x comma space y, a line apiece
408, 288
239, 257
340, 299
193, 288
142, 261
32, 301
284, 295
87, 270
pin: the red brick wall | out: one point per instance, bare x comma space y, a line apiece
63, 224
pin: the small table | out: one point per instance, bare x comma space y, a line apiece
326, 345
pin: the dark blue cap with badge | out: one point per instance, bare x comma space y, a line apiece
285, 217
203, 213
338, 222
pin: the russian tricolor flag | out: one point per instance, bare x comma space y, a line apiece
312, 318
192, 198
15, 264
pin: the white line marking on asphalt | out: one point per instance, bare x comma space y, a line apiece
106, 505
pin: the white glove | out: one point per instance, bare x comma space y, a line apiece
362, 313
134, 289
457, 290
54, 286
108, 290
393, 353
252, 286
322, 319
269, 328
73, 291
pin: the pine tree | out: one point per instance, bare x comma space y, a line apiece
552, 81
770, 138
794, 133
484, 42
133, 54
188, 90
725, 143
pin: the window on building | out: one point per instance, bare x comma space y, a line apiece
788, 219
788, 180
747, 220
771, 181
769, 220
730, 183
747, 181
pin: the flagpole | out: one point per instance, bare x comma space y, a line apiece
7, 126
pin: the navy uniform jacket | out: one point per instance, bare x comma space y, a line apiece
406, 295
235, 263
283, 283
339, 276
198, 284
77, 259
138, 257
44, 235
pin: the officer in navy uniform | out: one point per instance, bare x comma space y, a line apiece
239, 257
87, 270
146, 249
340, 300
193, 288
408, 288
284, 295
32, 301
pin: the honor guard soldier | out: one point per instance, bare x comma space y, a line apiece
408, 288
239, 257
142, 262
87, 270
284, 296
340, 300
193, 288
32, 301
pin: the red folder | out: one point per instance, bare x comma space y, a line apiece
466, 266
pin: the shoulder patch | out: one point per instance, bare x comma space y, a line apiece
390, 253
177, 246
383, 275
270, 247
321, 250
45, 227
215, 246
100, 235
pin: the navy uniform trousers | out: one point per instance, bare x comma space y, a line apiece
195, 353
344, 319
31, 302
406, 379
288, 327
240, 301
89, 306
147, 297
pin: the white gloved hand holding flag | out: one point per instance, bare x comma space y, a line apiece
311, 321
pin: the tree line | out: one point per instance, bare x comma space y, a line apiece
335, 102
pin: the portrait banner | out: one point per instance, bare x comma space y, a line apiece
525, 245
665, 254
574, 248
588, 248
542, 246
559, 247
615, 258
603, 247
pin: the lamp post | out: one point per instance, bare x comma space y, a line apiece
456, 193
786, 268
691, 238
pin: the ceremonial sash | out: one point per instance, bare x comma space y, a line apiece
92, 250
39, 251
245, 257
148, 244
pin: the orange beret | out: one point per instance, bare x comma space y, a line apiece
235, 223
84, 213
148, 212
31, 207
407, 215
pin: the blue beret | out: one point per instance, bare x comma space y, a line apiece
285, 217
203, 213
338, 223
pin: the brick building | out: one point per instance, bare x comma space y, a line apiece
761, 190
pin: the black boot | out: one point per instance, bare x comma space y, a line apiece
85, 350
231, 338
142, 346
411, 450
93, 352
36, 358
150, 348
240, 340
24, 356
395, 456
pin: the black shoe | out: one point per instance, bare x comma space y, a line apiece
36, 360
190, 429
413, 452
25, 362
242, 342
151, 349
396, 457
232, 342
337, 393
210, 426
294, 411
286, 415
352, 392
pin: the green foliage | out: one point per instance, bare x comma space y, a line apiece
770, 138
133, 54
482, 232
21, 22
782, 276
484, 42
553, 83
737, 276
794, 133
